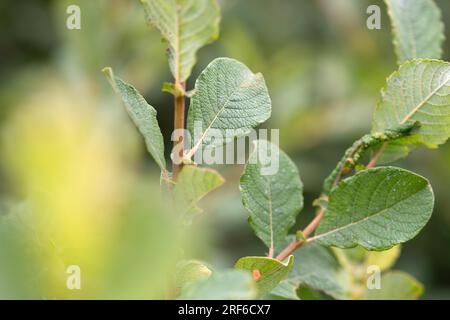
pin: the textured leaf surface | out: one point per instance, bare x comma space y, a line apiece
376, 208
227, 285
143, 116
227, 96
187, 25
269, 271
317, 268
273, 201
417, 28
418, 91
193, 184
396, 285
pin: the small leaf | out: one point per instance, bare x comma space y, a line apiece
417, 28
229, 99
192, 185
418, 91
270, 271
186, 25
143, 116
189, 271
396, 285
228, 285
377, 209
273, 201
383, 259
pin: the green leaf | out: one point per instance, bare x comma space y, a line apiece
143, 116
266, 272
286, 289
383, 259
377, 209
189, 271
229, 100
186, 25
317, 268
418, 91
396, 285
227, 285
193, 183
417, 28
273, 201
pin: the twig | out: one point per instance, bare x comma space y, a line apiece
179, 125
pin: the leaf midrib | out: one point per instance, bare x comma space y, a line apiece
319, 236
424, 101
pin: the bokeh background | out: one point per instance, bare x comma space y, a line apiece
74, 172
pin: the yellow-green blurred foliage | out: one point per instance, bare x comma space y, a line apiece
78, 188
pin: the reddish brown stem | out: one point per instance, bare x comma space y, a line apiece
294, 245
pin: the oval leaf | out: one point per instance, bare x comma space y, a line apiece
229, 100
187, 25
377, 209
418, 91
417, 28
266, 272
273, 201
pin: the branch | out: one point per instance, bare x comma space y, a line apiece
179, 120
346, 164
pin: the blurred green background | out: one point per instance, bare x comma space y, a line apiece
68, 148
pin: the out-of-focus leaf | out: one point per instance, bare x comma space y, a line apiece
143, 116
266, 272
396, 285
189, 271
286, 289
417, 29
383, 259
192, 185
273, 201
376, 208
186, 25
227, 285
229, 100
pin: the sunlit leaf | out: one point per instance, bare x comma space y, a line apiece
396, 285
266, 272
